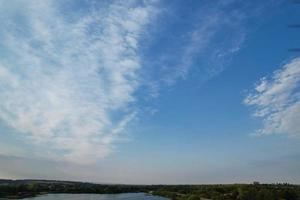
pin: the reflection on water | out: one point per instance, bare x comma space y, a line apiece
129, 196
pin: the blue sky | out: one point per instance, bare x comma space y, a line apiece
150, 91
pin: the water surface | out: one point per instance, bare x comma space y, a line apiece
125, 196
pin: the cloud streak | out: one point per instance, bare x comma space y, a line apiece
212, 34
67, 81
277, 101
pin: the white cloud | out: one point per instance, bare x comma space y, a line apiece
67, 81
277, 100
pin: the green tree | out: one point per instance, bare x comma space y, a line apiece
193, 197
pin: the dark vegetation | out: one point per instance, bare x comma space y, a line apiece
28, 188
231, 192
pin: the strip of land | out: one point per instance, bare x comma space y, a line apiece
18, 189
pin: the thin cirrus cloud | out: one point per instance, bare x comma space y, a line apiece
67, 82
276, 100
212, 34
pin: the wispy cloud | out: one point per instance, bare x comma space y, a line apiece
67, 81
208, 27
277, 100
212, 34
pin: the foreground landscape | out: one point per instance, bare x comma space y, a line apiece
14, 189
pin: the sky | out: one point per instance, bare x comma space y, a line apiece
150, 91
